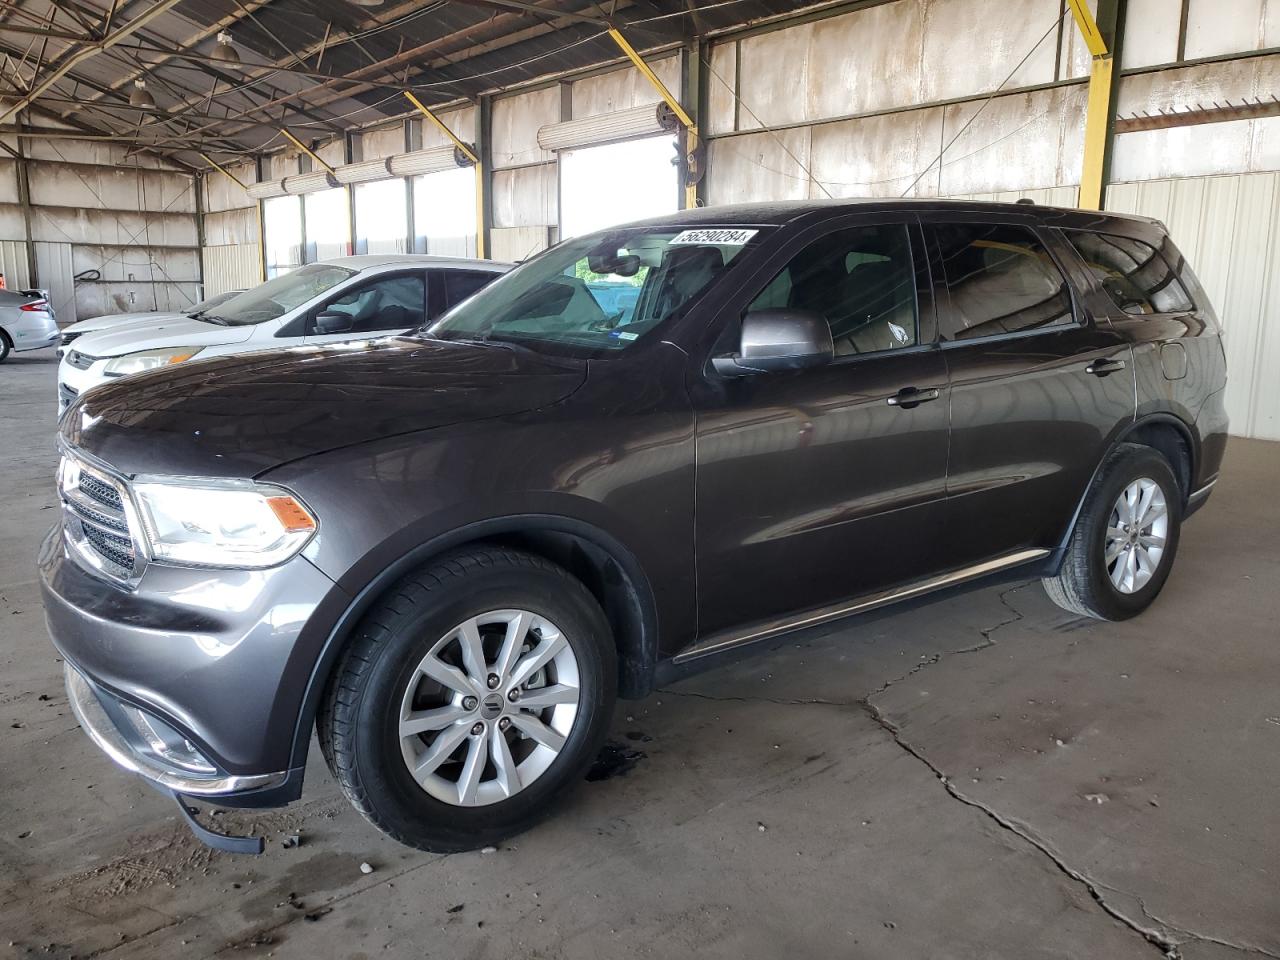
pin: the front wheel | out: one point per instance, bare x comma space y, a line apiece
1125, 539
472, 695
5, 346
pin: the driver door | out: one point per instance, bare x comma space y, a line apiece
823, 485
388, 304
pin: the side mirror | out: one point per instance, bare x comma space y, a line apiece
334, 322
778, 340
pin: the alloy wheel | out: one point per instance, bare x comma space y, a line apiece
489, 708
1137, 532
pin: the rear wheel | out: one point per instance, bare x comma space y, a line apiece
470, 698
1125, 539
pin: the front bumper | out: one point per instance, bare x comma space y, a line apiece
221, 658
90, 707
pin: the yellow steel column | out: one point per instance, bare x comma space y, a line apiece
222, 170
467, 152
305, 149
1097, 114
691, 128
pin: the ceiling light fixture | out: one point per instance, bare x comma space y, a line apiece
224, 51
140, 96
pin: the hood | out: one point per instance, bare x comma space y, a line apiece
119, 319
240, 415
156, 331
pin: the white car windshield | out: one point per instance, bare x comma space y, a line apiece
596, 295
278, 296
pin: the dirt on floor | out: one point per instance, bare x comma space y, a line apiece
982, 776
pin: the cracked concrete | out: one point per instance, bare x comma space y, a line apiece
983, 776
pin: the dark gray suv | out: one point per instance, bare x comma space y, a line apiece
647, 448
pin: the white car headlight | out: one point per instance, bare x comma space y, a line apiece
221, 523
148, 360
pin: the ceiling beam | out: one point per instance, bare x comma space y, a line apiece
86, 53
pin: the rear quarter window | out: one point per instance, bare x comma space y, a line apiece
1135, 275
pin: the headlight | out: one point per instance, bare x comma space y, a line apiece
148, 360
221, 523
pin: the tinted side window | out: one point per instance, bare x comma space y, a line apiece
460, 284
1133, 273
861, 279
1001, 279
391, 304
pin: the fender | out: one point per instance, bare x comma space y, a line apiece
1054, 561
469, 533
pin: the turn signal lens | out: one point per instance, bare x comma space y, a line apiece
291, 514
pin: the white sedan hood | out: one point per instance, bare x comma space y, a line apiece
175, 331
93, 324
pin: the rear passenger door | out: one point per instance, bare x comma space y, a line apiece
1177, 357
1037, 386
449, 287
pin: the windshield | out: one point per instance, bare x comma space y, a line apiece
277, 297
210, 302
599, 294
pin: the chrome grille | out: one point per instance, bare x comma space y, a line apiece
81, 361
101, 491
67, 338
96, 520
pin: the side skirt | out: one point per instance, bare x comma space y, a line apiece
772, 629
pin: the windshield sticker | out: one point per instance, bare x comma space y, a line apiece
716, 236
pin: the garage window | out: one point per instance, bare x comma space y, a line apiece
444, 213
1134, 274
616, 183
382, 217
328, 224
282, 233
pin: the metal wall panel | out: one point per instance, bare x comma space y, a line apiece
232, 266
1229, 229
13, 264
53, 264
518, 243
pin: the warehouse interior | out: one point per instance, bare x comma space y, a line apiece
980, 775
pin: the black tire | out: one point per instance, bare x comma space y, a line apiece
358, 721
5, 346
1083, 585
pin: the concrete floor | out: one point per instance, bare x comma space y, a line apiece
982, 777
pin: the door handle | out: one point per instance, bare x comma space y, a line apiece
909, 397
1105, 367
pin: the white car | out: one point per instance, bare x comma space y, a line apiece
350, 298
26, 321
94, 324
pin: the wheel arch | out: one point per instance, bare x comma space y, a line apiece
1163, 432
610, 572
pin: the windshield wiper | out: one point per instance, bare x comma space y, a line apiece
208, 318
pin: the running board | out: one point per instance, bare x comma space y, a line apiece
718, 643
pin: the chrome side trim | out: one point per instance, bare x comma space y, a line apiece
95, 722
1202, 492
721, 642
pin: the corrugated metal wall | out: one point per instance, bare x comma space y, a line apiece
13, 264
231, 266
1229, 228
54, 267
